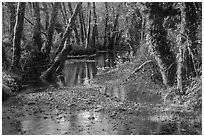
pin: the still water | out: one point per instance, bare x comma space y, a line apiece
78, 72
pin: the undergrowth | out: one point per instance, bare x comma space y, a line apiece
11, 83
191, 100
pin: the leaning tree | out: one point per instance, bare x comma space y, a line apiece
66, 48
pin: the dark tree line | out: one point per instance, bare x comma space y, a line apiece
135, 25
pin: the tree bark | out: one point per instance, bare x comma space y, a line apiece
89, 26
63, 13
4, 20
17, 37
65, 48
46, 49
37, 28
5, 62
74, 27
94, 38
106, 25
82, 26
12, 12
46, 15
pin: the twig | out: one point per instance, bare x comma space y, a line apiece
34, 25
28, 21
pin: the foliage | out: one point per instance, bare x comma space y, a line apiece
11, 82
193, 99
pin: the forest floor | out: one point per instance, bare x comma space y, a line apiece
92, 109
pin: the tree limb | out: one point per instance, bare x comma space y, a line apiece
136, 70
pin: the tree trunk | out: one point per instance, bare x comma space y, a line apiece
181, 45
18, 28
12, 11
63, 13
37, 28
46, 49
186, 64
134, 31
159, 47
82, 26
46, 15
74, 27
106, 25
5, 62
4, 20
83, 22
94, 38
66, 48
192, 22
89, 26
114, 33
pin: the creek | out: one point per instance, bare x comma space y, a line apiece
89, 122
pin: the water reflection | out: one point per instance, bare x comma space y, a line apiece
77, 73
106, 59
97, 123
81, 72
129, 92
82, 123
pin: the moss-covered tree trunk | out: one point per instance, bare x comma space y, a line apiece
47, 47
37, 28
18, 28
158, 43
66, 47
